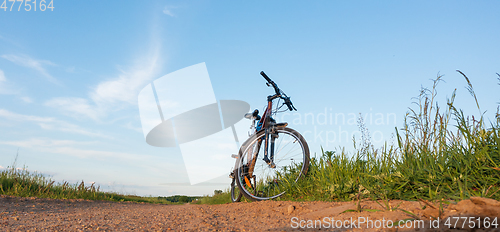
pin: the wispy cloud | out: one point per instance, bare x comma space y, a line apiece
113, 94
49, 123
19, 117
96, 154
2, 76
44, 142
125, 87
70, 147
77, 107
132, 127
27, 99
3, 80
5, 87
168, 11
37, 65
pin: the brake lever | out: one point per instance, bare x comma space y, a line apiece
267, 83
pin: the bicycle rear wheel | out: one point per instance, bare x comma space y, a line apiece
256, 179
235, 192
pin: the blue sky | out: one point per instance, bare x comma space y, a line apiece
69, 78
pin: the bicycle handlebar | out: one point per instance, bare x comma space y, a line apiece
276, 89
280, 93
266, 77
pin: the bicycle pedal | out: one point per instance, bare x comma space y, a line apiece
234, 156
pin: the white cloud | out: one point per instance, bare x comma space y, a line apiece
114, 94
126, 86
67, 147
85, 153
132, 127
76, 107
27, 99
168, 11
2, 76
43, 142
2, 82
70, 69
19, 117
49, 123
37, 65
5, 87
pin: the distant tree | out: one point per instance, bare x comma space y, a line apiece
217, 192
184, 199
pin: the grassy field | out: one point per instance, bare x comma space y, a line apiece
20, 182
441, 154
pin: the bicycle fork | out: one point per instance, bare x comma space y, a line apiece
270, 136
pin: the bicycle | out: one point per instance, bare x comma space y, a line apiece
284, 157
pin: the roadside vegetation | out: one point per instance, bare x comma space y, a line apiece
219, 197
441, 154
23, 183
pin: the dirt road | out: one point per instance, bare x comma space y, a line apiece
35, 214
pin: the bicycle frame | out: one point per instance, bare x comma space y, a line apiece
266, 117
267, 122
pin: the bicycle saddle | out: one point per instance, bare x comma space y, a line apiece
253, 115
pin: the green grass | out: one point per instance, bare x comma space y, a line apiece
216, 199
440, 154
22, 183
219, 197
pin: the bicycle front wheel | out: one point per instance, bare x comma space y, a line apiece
257, 179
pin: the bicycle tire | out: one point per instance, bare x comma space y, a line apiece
269, 182
235, 192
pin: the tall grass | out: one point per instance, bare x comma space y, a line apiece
440, 154
21, 182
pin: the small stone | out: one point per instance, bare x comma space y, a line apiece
291, 208
484, 201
